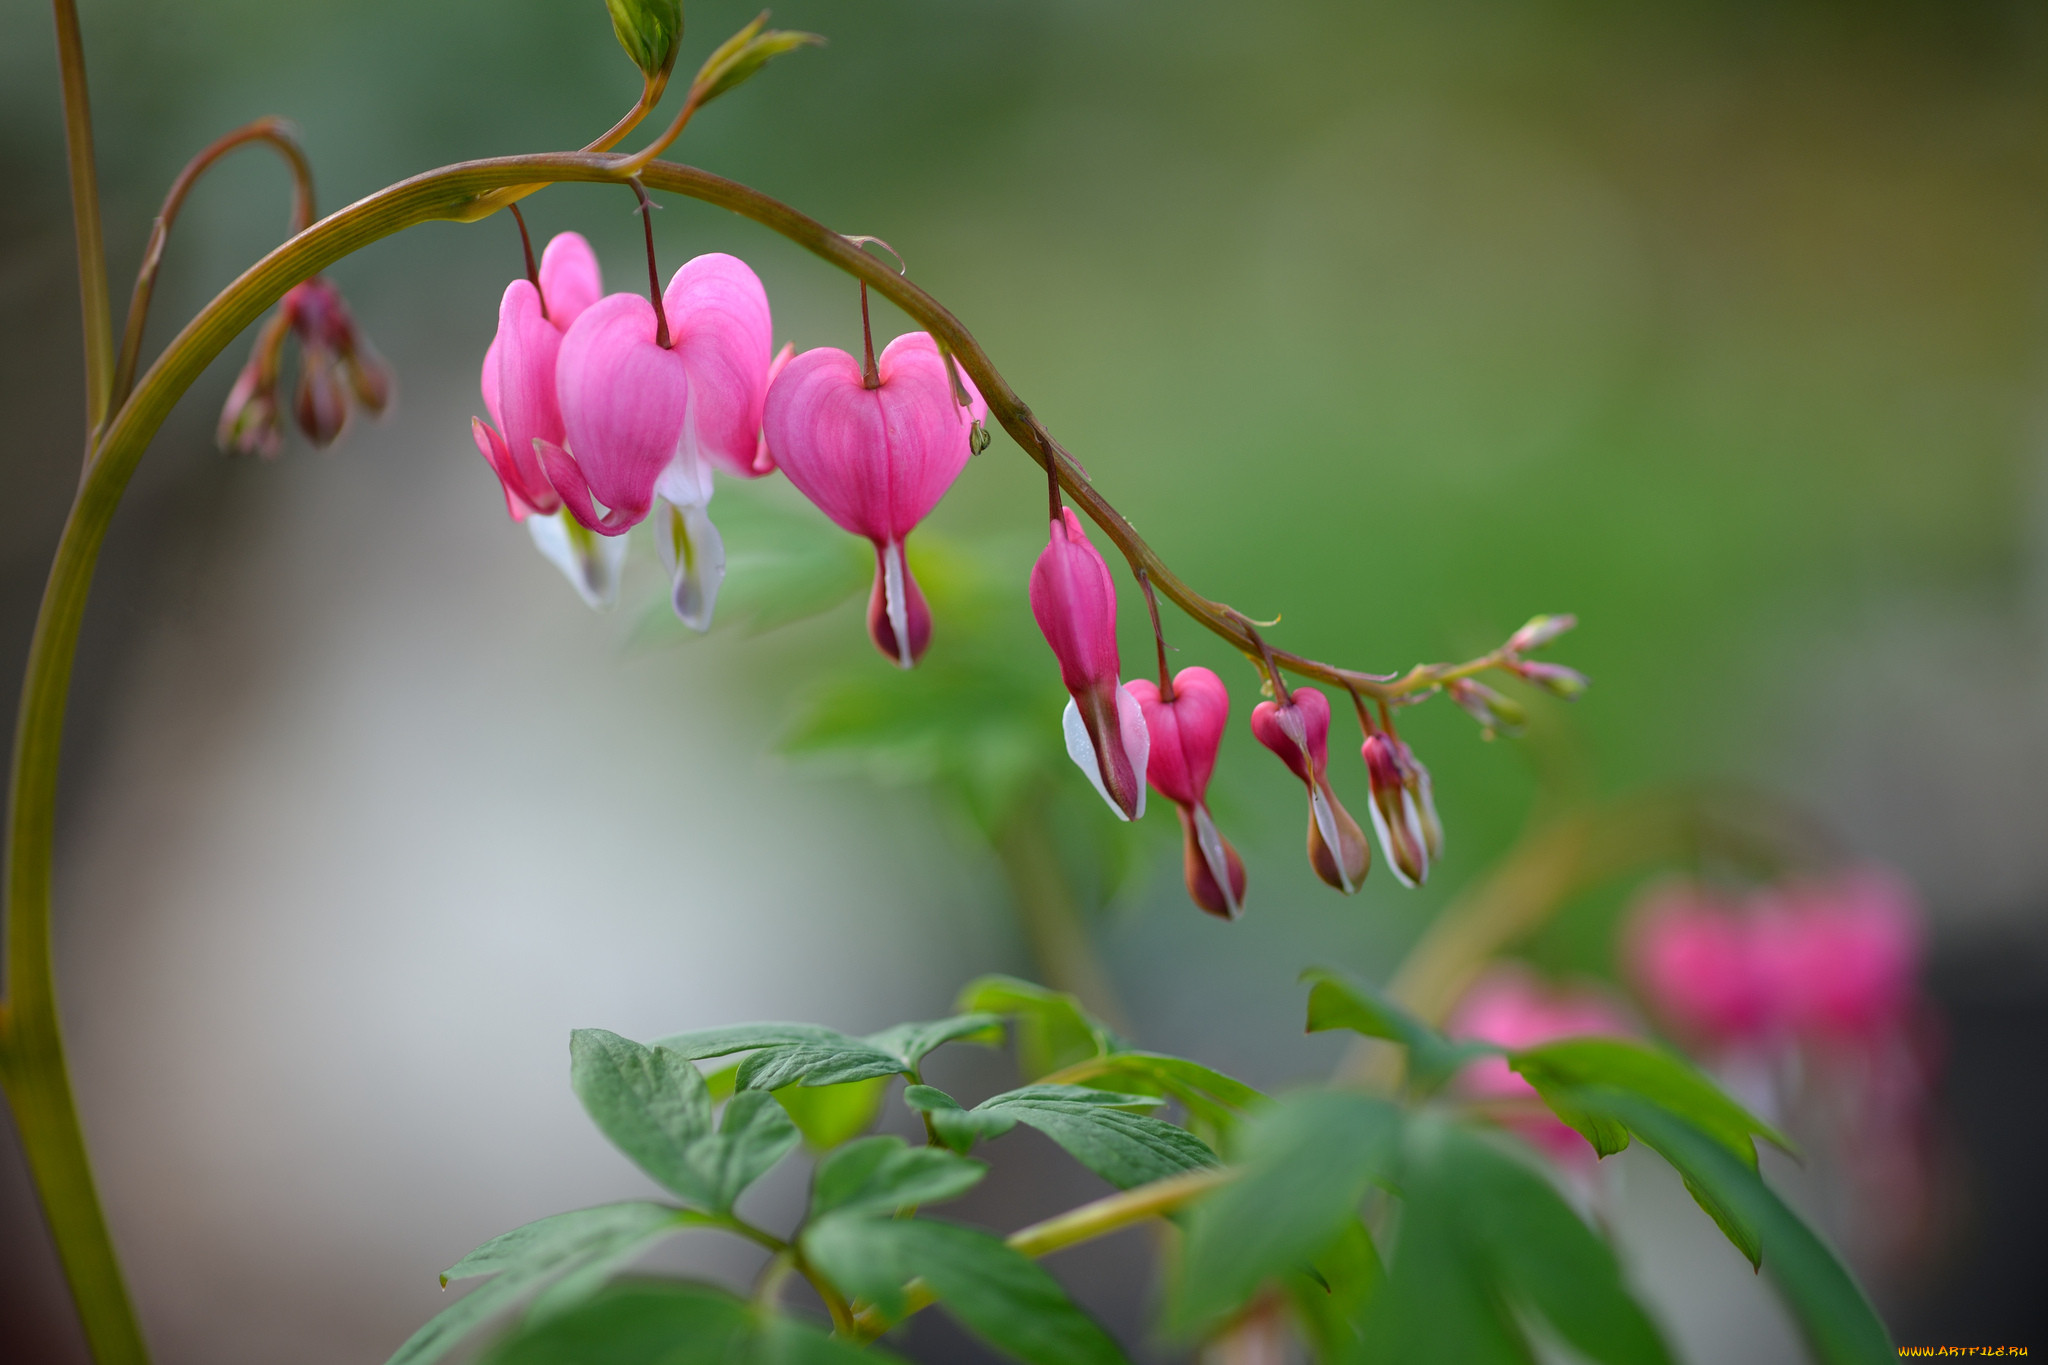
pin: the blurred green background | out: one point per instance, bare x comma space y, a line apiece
1718, 324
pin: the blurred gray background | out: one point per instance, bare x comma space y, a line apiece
1720, 324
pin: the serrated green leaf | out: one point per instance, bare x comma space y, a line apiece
999, 1294
828, 1115
1308, 1161
1665, 1080
650, 31
673, 1323
1839, 1324
743, 54
561, 1245
1098, 1129
1335, 1002
650, 1102
885, 1175
1053, 1030
912, 1042
755, 1133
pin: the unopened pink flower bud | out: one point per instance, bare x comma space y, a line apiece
1403, 808
1299, 731
251, 422
320, 403
1496, 714
1540, 631
1184, 732
1555, 679
1074, 601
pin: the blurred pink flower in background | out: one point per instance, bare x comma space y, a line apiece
1510, 1007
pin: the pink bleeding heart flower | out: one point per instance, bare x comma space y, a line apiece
720, 324
519, 371
1839, 955
1184, 731
1510, 1008
622, 396
876, 461
1074, 599
1299, 731
1689, 952
1403, 808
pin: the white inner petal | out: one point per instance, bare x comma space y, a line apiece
1211, 844
589, 561
1081, 749
1326, 824
893, 603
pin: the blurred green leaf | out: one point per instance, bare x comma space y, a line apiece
784, 563
1098, 1129
958, 1128
1308, 1161
1660, 1077
998, 1293
1485, 1236
912, 1042
783, 1055
1330, 1301
1336, 1002
721, 1042
740, 56
885, 1175
828, 1115
1210, 1097
563, 1244
1839, 1324
1053, 1030
674, 1323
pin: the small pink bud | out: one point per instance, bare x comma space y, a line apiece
320, 403
1184, 734
876, 461
1299, 732
1074, 601
1495, 713
1540, 631
1403, 808
1555, 679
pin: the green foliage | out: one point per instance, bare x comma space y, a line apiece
655, 1108
1096, 1127
743, 54
884, 1175
999, 1294
650, 31
561, 1247
802, 1054
828, 1115
1052, 1028
1214, 1101
1665, 1080
1334, 1002
673, 1323
1308, 1162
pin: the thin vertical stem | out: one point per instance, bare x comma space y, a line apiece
532, 270
870, 377
661, 334
1158, 634
95, 305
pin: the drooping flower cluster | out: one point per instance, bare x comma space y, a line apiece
613, 409
336, 364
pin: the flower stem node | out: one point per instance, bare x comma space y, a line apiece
1497, 714
1184, 732
1074, 601
875, 460
1403, 808
1298, 730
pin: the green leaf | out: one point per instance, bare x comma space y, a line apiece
999, 1294
673, 1323
1485, 1237
650, 31
958, 1128
743, 54
1659, 1077
1210, 1097
911, 1042
816, 1064
828, 1115
1308, 1162
886, 1175
721, 1042
1331, 1296
1098, 1130
650, 1102
563, 1244
1053, 1031
1839, 1324
756, 1132
1334, 1002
